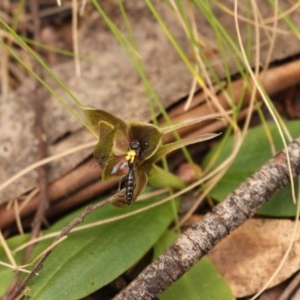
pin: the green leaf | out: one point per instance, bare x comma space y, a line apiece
254, 152
202, 281
6, 274
159, 177
89, 259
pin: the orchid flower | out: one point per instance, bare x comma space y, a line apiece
130, 150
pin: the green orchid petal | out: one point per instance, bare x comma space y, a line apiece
111, 164
105, 145
94, 116
148, 135
159, 177
177, 126
170, 147
141, 182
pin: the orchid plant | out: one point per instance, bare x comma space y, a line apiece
130, 150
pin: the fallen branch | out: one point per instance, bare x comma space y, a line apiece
201, 237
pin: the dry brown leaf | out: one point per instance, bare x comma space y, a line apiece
249, 256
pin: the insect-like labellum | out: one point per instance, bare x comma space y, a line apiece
129, 184
129, 179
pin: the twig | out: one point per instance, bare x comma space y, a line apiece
71, 183
42, 172
224, 218
18, 288
42, 153
273, 81
41, 137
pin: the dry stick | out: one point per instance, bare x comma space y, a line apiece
201, 237
89, 192
42, 153
67, 185
40, 134
89, 209
273, 81
42, 172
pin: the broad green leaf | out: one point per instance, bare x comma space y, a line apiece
254, 152
89, 259
202, 281
6, 274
